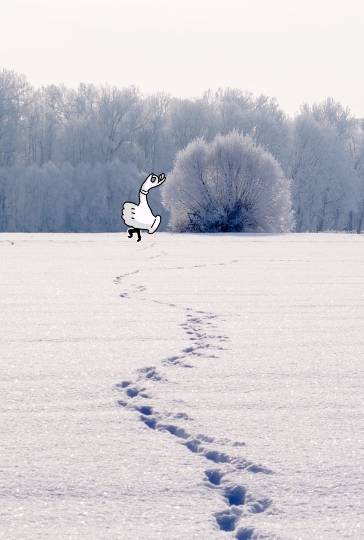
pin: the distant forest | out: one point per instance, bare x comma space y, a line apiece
69, 158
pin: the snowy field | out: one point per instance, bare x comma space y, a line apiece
184, 387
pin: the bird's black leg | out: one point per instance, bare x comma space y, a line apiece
133, 230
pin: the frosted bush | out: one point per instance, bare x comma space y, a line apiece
230, 184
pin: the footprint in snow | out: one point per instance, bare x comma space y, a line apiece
236, 496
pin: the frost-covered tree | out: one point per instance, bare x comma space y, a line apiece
54, 137
324, 182
78, 141
156, 149
117, 119
15, 95
43, 125
357, 152
66, 198
260, 117
230, 184
187, 120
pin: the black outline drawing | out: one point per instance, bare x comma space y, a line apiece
129, 208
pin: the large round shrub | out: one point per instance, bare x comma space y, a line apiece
230, 184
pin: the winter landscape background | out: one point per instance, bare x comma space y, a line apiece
70, 157
205, 382
191, 386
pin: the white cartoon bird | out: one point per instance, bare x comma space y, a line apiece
139, 216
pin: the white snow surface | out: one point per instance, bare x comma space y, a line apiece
187, 386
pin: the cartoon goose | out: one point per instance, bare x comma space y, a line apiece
139, 216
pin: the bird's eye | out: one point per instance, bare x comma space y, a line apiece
153, 179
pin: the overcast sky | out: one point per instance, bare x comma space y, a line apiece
297, 51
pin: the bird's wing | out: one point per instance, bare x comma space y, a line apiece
128, 206
127, 214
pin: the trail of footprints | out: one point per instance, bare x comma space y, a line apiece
221, 466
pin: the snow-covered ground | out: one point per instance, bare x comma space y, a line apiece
189, 386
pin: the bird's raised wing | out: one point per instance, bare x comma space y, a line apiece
139, 216
128, 214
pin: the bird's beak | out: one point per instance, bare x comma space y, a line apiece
161, 179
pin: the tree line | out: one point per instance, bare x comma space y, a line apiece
70, 157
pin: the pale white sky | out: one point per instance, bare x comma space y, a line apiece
294, 50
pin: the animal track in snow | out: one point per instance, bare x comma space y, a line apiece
150, 373
157, 255
227, 519
118, 279
239, 502
203, 341
214, 476
245, 533
236, 496
132, 392
7, 242
136, 289
193, 266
